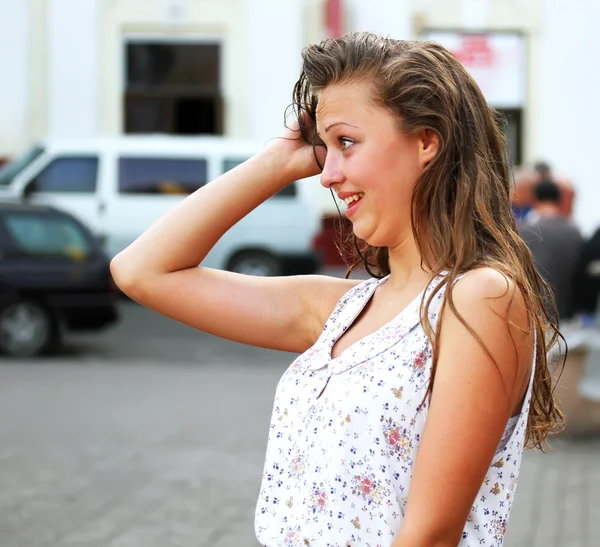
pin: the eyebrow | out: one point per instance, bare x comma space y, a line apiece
336, 124
339, 123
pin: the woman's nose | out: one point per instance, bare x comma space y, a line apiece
332, 171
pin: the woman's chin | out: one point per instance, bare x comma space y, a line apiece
361, 232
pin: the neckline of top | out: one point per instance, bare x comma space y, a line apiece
349, 320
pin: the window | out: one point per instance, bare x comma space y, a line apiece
161, 175
74, 174
231, 163
173, 88
512, 126
12, 169
47, 235
289, 191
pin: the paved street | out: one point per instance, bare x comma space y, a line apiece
153, 435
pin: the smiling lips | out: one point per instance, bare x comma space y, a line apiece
349, 198
353, 203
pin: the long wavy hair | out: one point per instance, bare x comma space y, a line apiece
461, 211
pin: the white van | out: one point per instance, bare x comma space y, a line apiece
118, 186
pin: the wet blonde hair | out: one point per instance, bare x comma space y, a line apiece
461, 209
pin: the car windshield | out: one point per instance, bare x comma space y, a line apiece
13, 168
47, 235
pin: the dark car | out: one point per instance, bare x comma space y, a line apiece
54, 277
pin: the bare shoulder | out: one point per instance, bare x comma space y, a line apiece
492, 305
492, 289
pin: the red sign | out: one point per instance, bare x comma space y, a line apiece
475, 50
333, 18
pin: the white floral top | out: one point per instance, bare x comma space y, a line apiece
339, 460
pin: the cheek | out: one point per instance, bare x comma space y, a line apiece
399, 176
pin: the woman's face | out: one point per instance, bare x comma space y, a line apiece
368, 155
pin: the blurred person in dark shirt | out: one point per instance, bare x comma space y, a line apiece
567, 193
555, 242
586, 284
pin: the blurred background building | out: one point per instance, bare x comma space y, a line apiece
80, 68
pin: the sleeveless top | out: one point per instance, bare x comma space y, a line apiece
345, 432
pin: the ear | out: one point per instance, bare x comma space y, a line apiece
429, 143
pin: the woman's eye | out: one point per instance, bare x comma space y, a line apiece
346, 142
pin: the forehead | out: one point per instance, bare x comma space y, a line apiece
344, 100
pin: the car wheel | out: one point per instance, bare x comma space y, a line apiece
255, 263
26, 329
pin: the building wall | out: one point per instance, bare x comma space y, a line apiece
173, 20
567, 93
72, 68
387, 17
273, 62
260, 55
37, 123
14, 58
65, 70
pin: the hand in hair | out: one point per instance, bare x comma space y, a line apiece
295, 145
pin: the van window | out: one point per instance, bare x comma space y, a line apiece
67, 174
47, 235
9, 171
161, 175
230, 163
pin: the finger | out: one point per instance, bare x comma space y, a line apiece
291, 119
321, 155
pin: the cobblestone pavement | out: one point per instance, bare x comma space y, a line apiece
153, 435
558, 499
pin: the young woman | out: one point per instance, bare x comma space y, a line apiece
404, 419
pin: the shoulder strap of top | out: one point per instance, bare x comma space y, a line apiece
350, 304
438, 299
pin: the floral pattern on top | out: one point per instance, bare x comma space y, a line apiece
345, 432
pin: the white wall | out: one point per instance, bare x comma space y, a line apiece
73, 68
385, 17
14, 92
568, 93
276, 42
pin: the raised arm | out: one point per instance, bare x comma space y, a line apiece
160, 269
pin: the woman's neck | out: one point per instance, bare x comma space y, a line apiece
405, 264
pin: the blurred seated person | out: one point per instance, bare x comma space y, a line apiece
586, 283
526, 179
555, 242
